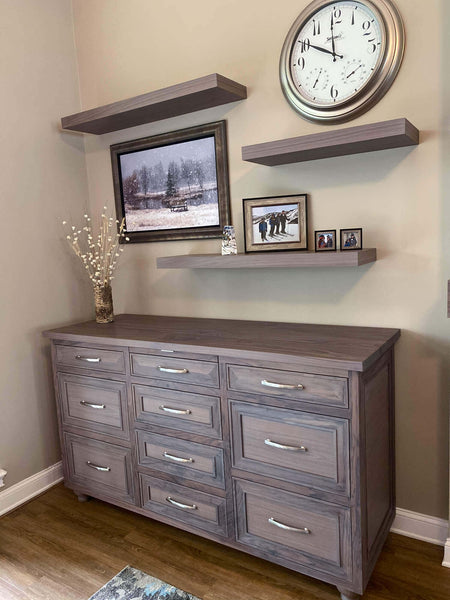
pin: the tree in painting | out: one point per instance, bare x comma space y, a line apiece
145, 176
173, 173
199, 173
130, 188
187, 173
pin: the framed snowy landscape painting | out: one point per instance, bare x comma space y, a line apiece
173, 186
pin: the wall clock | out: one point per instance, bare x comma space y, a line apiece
340, 58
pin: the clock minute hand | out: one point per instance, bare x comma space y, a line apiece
333, 45
325, 50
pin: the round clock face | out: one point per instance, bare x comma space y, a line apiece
340, 57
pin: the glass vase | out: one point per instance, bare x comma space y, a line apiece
104, 312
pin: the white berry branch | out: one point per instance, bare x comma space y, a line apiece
99, 255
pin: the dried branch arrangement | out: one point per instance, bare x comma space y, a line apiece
99, 255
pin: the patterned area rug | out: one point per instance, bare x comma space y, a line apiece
132, 584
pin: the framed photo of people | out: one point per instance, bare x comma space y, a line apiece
325, 240
275, 223
351, 239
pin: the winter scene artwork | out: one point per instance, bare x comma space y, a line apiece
172, 189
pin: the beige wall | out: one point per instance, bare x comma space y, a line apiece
43, 180
398, 197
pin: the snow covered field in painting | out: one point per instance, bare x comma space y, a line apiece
151, 219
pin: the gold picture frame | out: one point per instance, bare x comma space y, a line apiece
275, 223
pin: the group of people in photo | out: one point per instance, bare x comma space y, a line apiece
325, 241
272, 225
351, 241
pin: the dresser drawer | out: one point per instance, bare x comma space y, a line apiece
290, 527
90, 358
319, 389
291, 445
184, 504
193, 413
95, 404
197, 372
188, 460
99, 467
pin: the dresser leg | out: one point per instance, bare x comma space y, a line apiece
346, 595
82, 497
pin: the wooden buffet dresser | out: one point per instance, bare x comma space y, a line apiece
273, 438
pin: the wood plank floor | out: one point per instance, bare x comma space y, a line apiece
55, 548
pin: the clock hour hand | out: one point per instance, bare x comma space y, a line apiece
325, 50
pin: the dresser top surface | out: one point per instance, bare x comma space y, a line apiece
352, 348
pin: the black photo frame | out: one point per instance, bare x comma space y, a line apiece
325, 240
347, 242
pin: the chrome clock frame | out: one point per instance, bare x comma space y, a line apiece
375, 88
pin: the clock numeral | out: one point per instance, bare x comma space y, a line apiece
316, 27
366, 27
334, 93
353, 16
301, 63
372, 48
305, 45
337, 13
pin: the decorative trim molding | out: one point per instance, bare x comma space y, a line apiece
446, 561
25, 490
421, 527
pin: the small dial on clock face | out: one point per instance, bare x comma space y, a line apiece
336, 52
317, 79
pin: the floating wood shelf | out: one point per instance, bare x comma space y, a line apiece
266, 260
339, 142
190, 96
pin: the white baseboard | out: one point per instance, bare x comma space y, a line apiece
408, 523
27, 489
446, 561
420, 527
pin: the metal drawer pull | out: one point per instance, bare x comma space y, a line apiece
304, 530
282, 386
284, 447
97, 467
90, 405
170, 351
178, 458
181, 505
167, 370
175, 411
88, 359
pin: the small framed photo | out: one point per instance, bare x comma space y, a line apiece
325, 240
276, 223
351, 239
